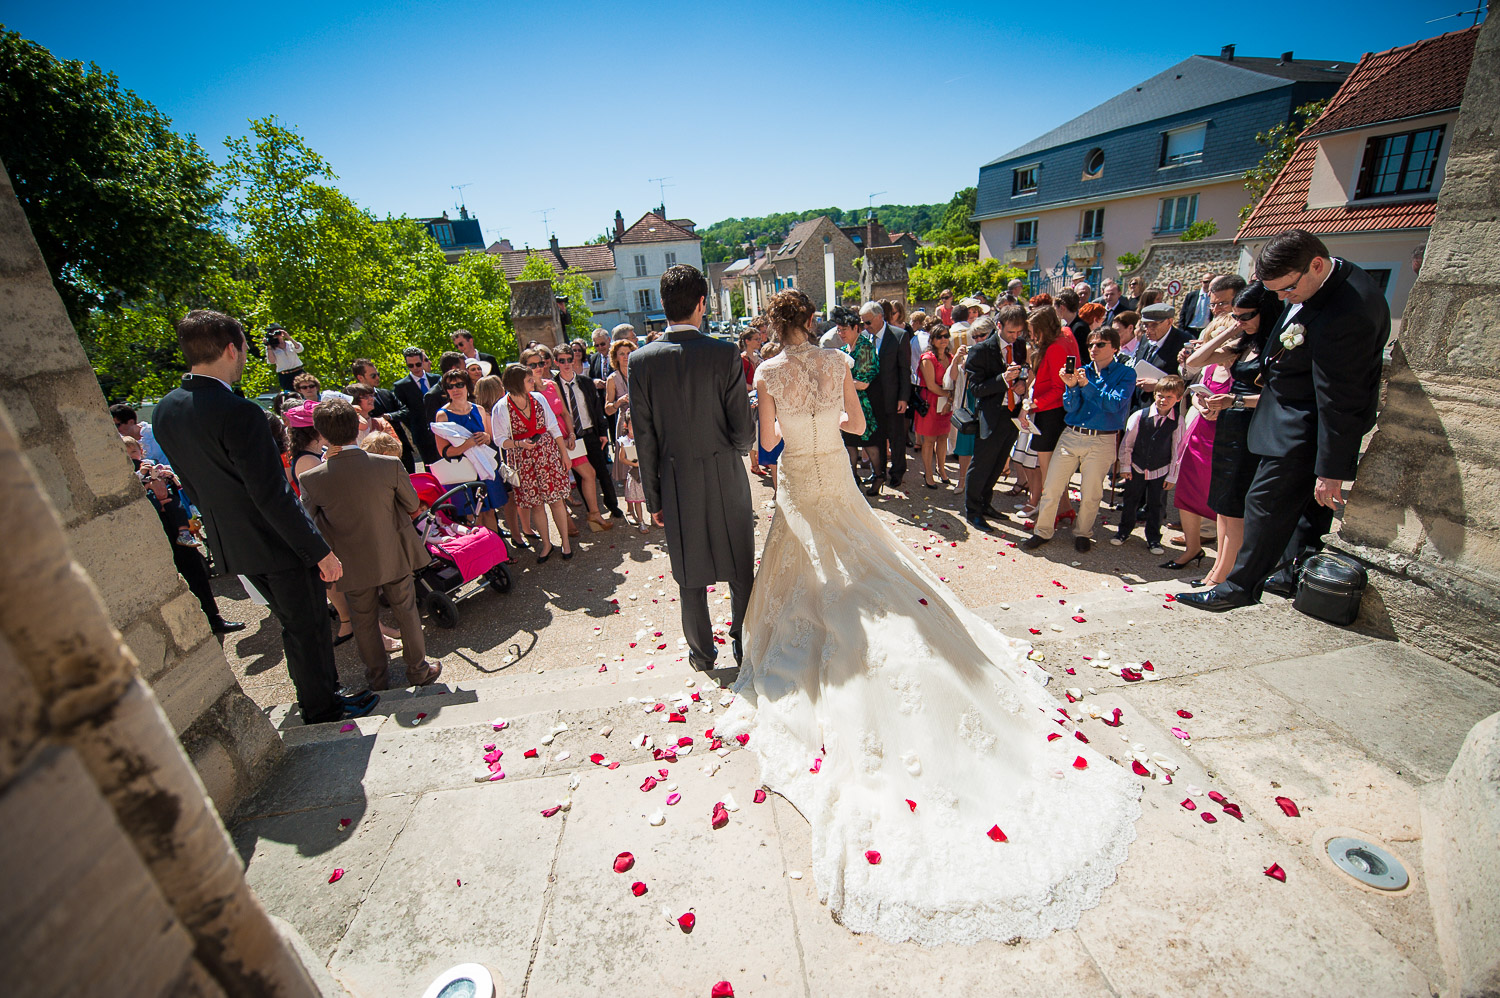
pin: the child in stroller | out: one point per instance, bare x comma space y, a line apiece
466, 557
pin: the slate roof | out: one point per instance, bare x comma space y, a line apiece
1197, 81
589, 259
1424, 77
652, 228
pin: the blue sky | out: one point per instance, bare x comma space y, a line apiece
748, 108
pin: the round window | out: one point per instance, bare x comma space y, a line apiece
1094, 162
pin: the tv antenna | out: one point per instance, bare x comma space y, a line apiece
661, 188
1463, 13
544, 212
460, 189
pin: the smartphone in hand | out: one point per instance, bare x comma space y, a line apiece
1071, 366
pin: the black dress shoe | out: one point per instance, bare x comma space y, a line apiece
1083, 544
992, 511
978, 523
227, 626
700, 664
1283, 583
1034, 541
1216, 600
348, 712
896, 482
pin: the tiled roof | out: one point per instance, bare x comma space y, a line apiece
1285, 206
1197, 81
652, 228
589, 259
799, 234
684, 223
1424, 77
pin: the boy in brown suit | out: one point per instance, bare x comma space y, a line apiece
362, 504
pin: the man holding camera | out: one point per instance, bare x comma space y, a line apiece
284, 354
996, 372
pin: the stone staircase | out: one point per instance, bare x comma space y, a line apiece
440, 869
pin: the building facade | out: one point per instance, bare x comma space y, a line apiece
800, 261
607, 299
1365, 175
1144, 165
456, 236
642, 253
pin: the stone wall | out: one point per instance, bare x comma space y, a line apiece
1167, 260
1424, 512
66, 433
884, 274
533, 313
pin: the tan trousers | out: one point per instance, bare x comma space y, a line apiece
364, 610
1094, 453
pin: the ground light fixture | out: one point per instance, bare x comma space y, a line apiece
467, 980
1368, 863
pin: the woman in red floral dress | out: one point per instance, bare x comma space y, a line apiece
533, 441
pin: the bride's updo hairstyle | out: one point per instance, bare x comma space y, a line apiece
789, 311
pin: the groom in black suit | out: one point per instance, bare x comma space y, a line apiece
220, 446
889, 393
995, 368
691, 414
1320, 377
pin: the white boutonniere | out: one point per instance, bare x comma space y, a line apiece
1293, 336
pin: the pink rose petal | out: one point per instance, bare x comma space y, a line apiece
720, 817
1209, 818
1138, 769
1070, 672
996, 834
723, 989
1275, 872
658, 708
336, 876
817, 765
1053, 737
1080, 763
1288, 806
348, 727
1217, 797
648, 784
742, 739
624, 862
1079, 620
1187, 802
489, 748
1233, 810
637, 888
548, 812
687, 921
673, 798
760, 797
872, 857
1181, 734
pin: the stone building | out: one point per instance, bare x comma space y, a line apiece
799, 262
884, 274
643, 252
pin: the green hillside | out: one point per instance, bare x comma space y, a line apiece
723, 240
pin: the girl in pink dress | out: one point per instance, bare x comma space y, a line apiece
1195, 469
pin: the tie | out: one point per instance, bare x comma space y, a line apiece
423, 383
573, 406
1010, 390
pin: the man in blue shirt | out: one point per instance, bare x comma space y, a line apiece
1096, 400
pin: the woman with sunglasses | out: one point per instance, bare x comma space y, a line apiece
541, 365
932, 428
532, 438
1239, 349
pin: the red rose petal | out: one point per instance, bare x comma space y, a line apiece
613, 765
548, 812
1114, 722
720, 818
1146, 665
1070, 672
1187, 802
662, 773
996, 834
1081, 737
1071, 698
336, 876
1131, 676
684, 740
637, 888
742, 739
686, 922
1233, 810
1053, 737
760, 797
817, 765
1080, 763
345, 822
911, 804
922, 601
529, 754
1138, 769
1217, 797
722, 990
1170, 598
1185, 713
420, 716
1288, 806
1079, 620
1275, 872
623, 862
658, 708
648, 784
696, 698
872, 857
676, 719
716, 744
603, 667
1034, 630
596, 758
1209, 818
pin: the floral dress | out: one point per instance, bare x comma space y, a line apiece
544, 480
866, 367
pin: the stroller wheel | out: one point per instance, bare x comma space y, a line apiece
498, 578
443, 609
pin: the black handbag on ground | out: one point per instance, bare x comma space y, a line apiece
1331, 588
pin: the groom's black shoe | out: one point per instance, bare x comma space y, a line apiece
1216, 599
1034, 541
1283, 583
978, 522
739, 653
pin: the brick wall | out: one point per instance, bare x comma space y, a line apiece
1169, 260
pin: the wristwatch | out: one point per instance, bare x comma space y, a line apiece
1239, 402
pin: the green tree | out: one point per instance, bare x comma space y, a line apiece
440, 297
737, 303
958, 270
956, 229
574, 284
1128, 262
123, 209
1280, 141
1199, 230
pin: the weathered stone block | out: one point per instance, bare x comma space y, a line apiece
35, 332
146, 639
192, 686
217, 771
125, 553
184, 619
97, 449
22, 413
54, 478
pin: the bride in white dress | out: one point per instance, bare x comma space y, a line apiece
910, 734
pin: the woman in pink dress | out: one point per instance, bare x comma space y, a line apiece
933, 427
1195, 469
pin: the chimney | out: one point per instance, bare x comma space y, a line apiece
553, 241
1286, 57
1227, 52
619, 224
463, 211
505, 246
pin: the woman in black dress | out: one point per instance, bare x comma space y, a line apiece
1240, 349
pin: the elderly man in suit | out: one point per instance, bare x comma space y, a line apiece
363, 504
1321, 387
221, 448
1197, 308
691, 413
411, 392
1159, 345
889, 393
996, 370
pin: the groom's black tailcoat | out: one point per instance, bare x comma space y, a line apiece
1317, 402
690, 412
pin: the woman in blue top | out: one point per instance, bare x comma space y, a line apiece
1096, 399
460, 410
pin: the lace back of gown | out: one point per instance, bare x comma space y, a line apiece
898, 722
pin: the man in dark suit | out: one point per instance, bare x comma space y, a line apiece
463, 342
1320, 379
1197, 310
598, 360
1066, 303
1113, 301
691, 414
411, 392
387, 405
436, 397
1160, 343
221, 448
996, 372
585, 405
889, 394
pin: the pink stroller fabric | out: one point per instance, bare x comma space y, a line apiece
474, 553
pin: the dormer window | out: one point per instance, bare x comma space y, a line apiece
1023, 181
1399, 164
1183, 145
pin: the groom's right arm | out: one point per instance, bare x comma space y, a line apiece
737, 406
646, 445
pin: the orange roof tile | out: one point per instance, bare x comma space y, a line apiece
1421, 78
1285, 206
652, 228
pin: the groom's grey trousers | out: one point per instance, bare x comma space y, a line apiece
698, 628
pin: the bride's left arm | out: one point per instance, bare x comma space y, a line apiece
854, 414
765, 412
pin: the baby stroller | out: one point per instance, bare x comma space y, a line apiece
466, 558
